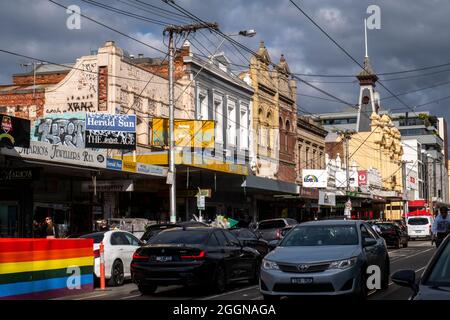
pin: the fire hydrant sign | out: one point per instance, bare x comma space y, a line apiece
111, 131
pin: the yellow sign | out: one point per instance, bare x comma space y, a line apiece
187, 133
129, 166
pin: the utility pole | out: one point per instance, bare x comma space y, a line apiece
346, 136
180, 30
404, 180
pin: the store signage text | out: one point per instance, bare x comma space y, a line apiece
57, 153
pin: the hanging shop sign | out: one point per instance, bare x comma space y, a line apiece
108, 186
327, 198
43, 151
362, 177
201, 202
314, 178
151, 170
108, 131
114, 164
14, 132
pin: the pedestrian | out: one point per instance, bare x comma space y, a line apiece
441, 226
51, 229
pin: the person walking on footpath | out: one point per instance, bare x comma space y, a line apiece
441, 226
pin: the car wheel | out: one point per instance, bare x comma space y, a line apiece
220, 280
147, 288
117, 274
397, 244
270, 298
255, 279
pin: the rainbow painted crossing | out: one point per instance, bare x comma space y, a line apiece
43, 268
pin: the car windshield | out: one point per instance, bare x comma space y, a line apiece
385, 226
321, 236
98, 236
274, 224
418, 221
440, 274
180, 237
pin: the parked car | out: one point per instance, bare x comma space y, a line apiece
154, 229
328, 257
393, 234
435, 281
402, 224
420, 227
119, 247
208, 256
272, 229
251, 239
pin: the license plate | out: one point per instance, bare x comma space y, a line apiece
418, 231
301, 280
163, 258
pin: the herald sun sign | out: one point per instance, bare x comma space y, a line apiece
374, 20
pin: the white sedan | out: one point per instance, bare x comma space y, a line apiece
119, 248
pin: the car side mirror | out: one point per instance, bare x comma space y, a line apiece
368, 242
405, 278
274, 243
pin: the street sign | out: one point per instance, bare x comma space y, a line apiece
201, 202
348, 208
204, 192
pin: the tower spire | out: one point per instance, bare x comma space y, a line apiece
365, 37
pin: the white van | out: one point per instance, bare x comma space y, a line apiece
419, 226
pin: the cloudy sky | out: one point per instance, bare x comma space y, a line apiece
413, 35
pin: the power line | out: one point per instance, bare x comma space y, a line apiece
108, 27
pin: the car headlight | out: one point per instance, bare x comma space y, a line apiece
343, 264
270, 265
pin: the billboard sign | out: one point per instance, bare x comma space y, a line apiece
314, 178
111, 131
187, 133
14, 132
327, 198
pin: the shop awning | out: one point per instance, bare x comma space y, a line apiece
270, 185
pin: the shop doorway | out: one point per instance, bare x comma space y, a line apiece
9, 219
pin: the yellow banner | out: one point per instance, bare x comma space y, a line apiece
187, 133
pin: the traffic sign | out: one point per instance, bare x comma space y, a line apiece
201, 202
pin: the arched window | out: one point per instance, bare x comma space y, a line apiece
286, 136
269, 121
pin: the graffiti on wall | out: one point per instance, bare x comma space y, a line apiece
67, 131
88, 77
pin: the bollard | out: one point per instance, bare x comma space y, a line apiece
102, 266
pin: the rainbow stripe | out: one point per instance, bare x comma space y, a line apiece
44, 268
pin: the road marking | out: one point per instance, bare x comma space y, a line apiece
90, 297
407, 257
131, 297
230, 292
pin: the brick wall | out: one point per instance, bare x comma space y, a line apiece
23, 105
40, 79
333, 148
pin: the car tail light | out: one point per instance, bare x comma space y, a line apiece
138, 256
278, 235
97, 253
201, 255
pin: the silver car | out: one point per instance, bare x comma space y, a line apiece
328, 257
